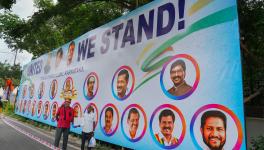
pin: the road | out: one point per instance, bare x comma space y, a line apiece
11, 139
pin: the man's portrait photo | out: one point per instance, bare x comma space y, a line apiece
165, 136
177, 76
91, 86
39, 108
24, 107
213, 129
47, 66
77, 112
122, 83
59, 56
24, 92
46, 110
28, 106
133, 122
109, 115
53, 88
41, 90
54, 109
33, 108
70, 53
31, 90
20, 106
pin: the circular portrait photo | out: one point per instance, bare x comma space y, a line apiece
134, 122
41, 90
33, 108
91, 109
39, 109
77, 111
90, 86
47, 66
167, 126
46, 110
123, 83
70, 53
216, 127
20, 106
28, 106
24, 92
24, 107
31, 90
179, 77
17, 106
54, 108
53, 89
59, 57
109, 119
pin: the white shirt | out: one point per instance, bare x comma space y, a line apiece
87, 122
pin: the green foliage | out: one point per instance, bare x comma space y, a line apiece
6, 4
56, 24
251, 22
258, 143
13, 72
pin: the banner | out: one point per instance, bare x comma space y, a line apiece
165, 76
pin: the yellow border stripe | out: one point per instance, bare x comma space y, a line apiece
198, 5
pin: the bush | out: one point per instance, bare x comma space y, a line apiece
257, 143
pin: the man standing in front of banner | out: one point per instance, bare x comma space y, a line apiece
213, 129
177, 75
166, 124
88, 127
64, 118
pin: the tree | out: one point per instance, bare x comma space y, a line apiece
6, 4
8, 71
252, 45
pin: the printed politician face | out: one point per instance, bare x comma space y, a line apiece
108, 119
90, 86
24, 91
54, 110
122, 82
213, 129
59, 56
70, 53
41, 89
33, 108
46, 109
76, 111
166, 125
133, 121
31, 91
53, 88
177, 75
39, 108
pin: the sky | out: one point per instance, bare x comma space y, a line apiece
24, 9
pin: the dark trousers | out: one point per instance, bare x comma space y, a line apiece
87, 136
58, 133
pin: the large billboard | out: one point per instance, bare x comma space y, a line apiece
165, 76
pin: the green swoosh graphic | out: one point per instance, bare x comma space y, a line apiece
222, 16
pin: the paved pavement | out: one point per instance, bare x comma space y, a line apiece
16, 135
